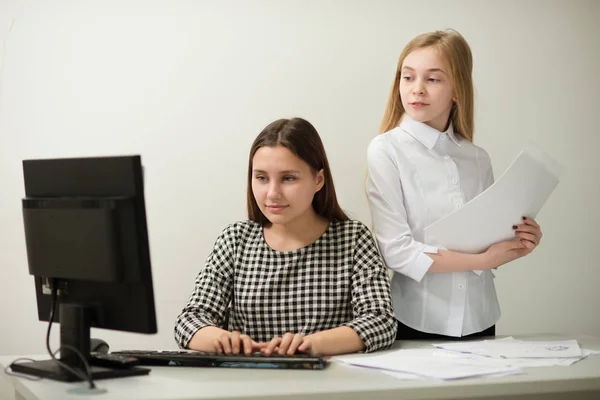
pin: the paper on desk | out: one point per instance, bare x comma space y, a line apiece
411, 377
534, 349
427, 363
487, 219
402, 375
521, 353
476, 347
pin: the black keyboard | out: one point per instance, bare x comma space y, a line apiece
187, 358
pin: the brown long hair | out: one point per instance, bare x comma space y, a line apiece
303, 140
456, 52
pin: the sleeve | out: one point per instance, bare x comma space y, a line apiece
374, 320
212, 293
486, 168
400, 251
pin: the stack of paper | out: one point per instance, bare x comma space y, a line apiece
460, 360
522, 353
430, 363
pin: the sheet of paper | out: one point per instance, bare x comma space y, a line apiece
477, 347
458, 360
534, 349
403, 375
435, 364
521, 353
487, 219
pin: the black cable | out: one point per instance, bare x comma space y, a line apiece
88, 376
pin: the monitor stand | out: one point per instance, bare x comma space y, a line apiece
75, 333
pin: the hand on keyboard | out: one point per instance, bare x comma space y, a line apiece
212, 339
236, 343
291, 344
216, 340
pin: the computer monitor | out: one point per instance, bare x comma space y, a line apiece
86, 236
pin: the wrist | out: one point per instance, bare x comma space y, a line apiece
316, 340
485, 260
203, 338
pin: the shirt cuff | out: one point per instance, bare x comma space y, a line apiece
476, 271
422, 263
192, 325
376, 332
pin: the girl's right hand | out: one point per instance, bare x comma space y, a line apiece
235, 343
503, 252
213, 339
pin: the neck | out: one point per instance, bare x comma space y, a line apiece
300, 232
299, 226
440, 124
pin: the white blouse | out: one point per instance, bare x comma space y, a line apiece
418, 175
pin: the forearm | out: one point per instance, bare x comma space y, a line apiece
453, 261
340, 340
204, 338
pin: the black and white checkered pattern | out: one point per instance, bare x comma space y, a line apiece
337, 281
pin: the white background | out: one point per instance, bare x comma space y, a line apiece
189, 84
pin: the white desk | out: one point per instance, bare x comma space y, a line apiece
337, 381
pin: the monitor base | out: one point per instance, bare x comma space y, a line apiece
50, 369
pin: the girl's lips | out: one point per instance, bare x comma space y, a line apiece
276, 208
418, 105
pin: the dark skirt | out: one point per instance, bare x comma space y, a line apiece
408, 333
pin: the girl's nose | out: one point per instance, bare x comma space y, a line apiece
419, 89
274, 191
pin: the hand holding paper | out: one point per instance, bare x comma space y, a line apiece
487, 219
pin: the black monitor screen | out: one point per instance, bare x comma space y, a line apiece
86, 236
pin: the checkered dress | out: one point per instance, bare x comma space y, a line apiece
339, 280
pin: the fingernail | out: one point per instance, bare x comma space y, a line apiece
514, 227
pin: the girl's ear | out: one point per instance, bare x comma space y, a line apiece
320, 180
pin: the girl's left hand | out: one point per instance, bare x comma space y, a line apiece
529, 233
291, 344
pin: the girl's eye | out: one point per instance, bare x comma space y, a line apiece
406, 78
433, 80
261, 178
289, 178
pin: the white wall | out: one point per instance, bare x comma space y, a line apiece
189, 84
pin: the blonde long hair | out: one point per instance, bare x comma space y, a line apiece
457, 53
